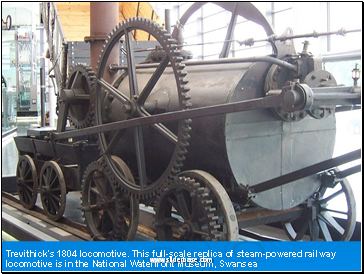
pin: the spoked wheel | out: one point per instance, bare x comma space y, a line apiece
321, 208
229, 230
184, 213
133, 96
27, 181
239, 12
53, 190
108, 215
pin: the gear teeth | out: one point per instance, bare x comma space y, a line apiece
88, 73
170, 46
199, 202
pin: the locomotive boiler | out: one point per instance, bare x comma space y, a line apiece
212, 146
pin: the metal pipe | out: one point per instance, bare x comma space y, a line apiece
259, 103
167, 15
99, 30
42, 95
222, 61
342, 96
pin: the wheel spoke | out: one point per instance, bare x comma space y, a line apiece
328, 219
302, 231
28, 181
53, 181
55, 197
201, 232
22, 169
52, 207
152, 81
162, 129
229, 34
323, 201
28, 194
30, 189
115, 92
139, 146
335, 211
28, 170
172, 222
183, 206
100, 184
47, 174
54, 203
325, 231
173, 203
56, 189
93, 208
74, 79
95, 190
112, 216
115, 139
133, 85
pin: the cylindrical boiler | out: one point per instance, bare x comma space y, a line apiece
239, 149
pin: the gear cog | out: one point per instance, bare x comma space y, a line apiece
184, 213
108, 214
82, 82
149, 182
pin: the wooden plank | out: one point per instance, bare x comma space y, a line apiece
75, 17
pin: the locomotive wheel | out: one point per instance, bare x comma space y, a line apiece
27, 181
108, 215
133, 105
318, 217
220, 200
184, 213
81, 81
53, 190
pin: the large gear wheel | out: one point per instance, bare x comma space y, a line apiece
132, 103
220, 201
82, 82
184, 213
109, 216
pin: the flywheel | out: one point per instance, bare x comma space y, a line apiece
133, 96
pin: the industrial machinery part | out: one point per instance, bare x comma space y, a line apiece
81, 81
320, 209
134, 95
184, 213
220, 201
27, 181
108, 214
52, 190
76, 101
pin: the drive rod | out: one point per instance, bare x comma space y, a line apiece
272, 101
307, 171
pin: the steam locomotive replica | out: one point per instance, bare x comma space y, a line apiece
242, 142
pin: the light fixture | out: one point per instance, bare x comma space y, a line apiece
355, 74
